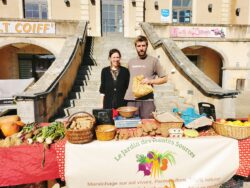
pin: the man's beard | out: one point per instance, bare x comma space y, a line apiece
142, 54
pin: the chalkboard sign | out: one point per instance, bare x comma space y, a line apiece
207, 109
103, 116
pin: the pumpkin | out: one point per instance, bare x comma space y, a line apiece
8, 119
9, 129
20, 123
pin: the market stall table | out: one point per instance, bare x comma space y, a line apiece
23, 164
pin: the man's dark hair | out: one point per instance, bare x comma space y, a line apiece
141, 38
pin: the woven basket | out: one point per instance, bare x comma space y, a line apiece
83, 135
237, 132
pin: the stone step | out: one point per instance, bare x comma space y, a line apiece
89, 94
78, 88
92, 88
73, 95
79, 83
161, 94
87, 102
167, 99
89, 68
71, 110
105, 62
94, 82
163, 87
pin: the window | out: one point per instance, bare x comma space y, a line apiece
182, 11
35, 9
34, 65
240, 84
195, 59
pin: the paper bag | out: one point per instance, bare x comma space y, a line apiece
139, 90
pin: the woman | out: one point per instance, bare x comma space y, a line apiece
114, 82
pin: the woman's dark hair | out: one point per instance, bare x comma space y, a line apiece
114, 50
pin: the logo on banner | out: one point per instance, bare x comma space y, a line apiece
154, 163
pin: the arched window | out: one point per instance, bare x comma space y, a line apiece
35, 9
182, 11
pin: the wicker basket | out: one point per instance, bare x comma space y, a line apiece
165, 126
237, 132
105, 132
83, 135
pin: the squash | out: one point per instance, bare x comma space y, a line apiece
9, 129
9, 118
20, 123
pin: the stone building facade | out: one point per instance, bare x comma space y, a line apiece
214, 34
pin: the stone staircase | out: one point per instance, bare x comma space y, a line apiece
85, 93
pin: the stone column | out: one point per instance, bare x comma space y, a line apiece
139, 15
228, 108
84, 10
126, 19
226, 11
26, 110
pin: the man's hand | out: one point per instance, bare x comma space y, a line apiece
156, 81
146, 81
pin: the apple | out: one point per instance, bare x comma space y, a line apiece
222, 121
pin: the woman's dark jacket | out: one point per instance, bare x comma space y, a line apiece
114, 91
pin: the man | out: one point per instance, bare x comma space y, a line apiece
149, 67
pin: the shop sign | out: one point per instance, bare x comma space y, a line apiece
198, 32
164, 15
16, 27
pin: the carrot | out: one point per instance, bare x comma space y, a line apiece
164, 164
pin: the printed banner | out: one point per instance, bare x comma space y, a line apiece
196, 32
152, 162
16, 27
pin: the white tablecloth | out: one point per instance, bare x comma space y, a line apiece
196, 162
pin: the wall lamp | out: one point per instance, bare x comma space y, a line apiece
237, 11
156, 5
134, 3
210, 8
92, 2
67, 3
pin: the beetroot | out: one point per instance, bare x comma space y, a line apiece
146, 172
141, 167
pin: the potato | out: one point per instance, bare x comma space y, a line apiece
152, 133
139, 125
145, 128
155, 126
144, 134
158, 131
164, 131
139, 132
149, 127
